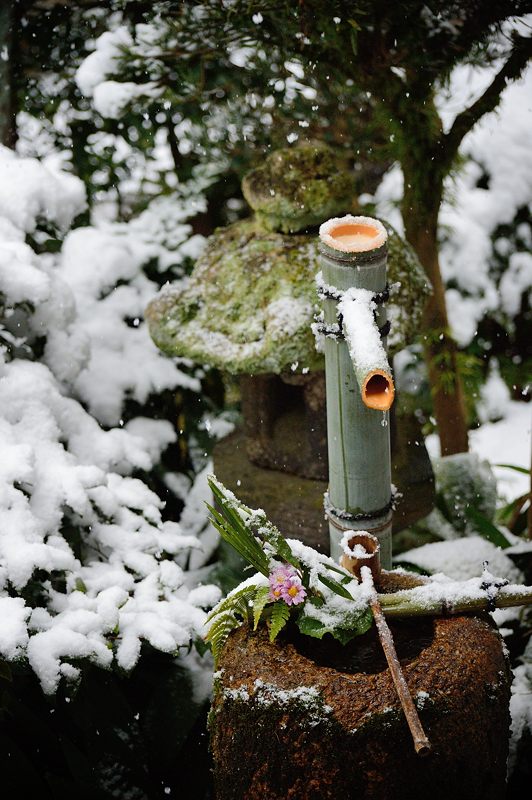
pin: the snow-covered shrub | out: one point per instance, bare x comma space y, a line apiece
88, 565
463, 482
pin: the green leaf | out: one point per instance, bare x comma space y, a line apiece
279, 618
311, 626
487, 529
229, 614
344, 636
357, 624
270, 533
523, 470
340, 571
233, 529
201, 646
243, 546
261, 598
335, 587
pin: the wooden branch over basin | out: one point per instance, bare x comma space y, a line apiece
421, 742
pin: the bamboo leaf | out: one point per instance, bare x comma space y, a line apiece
523, 470
261, 598
335, 587
243, 541
233, 529
343, 572
487, 529
271, 534
279, 618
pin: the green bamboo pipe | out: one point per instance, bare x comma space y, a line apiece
359, 386
408, 603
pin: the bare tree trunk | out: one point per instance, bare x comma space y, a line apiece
8, 127
420, 214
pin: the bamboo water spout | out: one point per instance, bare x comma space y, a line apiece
359, 383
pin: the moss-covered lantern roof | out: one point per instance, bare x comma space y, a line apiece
250, 300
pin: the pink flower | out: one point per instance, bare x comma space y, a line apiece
285, 584
294, 592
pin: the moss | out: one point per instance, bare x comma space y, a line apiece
248, 305
405, 310
250, 301
298, 187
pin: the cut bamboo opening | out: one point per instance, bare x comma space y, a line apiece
378, 390
361, 549
353, 234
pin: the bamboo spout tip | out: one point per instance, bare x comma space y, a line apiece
378, 390
351, 234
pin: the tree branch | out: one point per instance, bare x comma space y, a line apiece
511, 70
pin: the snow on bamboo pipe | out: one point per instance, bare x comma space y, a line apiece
359, 383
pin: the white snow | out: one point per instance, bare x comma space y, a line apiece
102, 62
111, 98
494, 396
68, 503
31, 190
361, 333
13, 627
462, 559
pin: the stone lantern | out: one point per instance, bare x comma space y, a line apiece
247, 309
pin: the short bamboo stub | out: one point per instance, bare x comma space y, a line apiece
361, 549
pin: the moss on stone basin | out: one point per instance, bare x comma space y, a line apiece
250, 301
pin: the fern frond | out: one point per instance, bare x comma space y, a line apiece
279, 618
228, 615
227, 604
219, 632
261, 598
